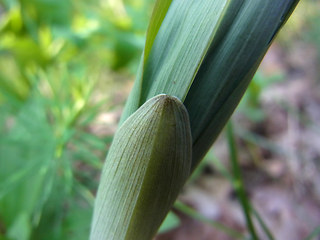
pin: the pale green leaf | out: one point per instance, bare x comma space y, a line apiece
21, 228
169, 223
178, 49
159, 12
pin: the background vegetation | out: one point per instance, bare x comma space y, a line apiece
66, 68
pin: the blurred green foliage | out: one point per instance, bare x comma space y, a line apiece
52, 55
250, 105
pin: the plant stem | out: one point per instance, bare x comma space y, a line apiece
262, 224
219, 166
238, 182
195, 215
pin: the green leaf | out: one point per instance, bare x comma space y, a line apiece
177, 51
147, 165
26, 164
76, 226
228, 68
159, 12
170, 222
21, 228
206, 53
215, 55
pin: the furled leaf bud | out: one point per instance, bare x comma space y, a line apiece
147, 165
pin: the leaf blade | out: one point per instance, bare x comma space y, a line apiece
159, 12
229, 68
